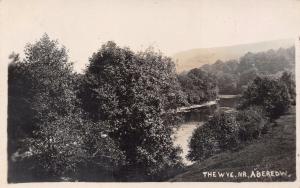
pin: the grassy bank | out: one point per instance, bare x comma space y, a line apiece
270, 158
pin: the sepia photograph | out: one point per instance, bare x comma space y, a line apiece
149, 90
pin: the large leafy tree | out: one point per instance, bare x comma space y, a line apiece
51, 76
44, 118
137, 95
40, 92
40, 87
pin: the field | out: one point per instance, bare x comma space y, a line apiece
270, 158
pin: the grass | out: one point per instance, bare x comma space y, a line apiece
274, 151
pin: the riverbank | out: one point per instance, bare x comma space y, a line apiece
276, 163
196, 106
229, 96
226, 99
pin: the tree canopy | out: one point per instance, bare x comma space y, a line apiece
199, 86
137, 95
45, 126
234, 75
268, 92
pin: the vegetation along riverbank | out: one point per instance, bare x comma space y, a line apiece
131, 117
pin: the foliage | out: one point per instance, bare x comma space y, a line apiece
42, 82
227, 83
269, 93
40, 88
264, 98
51, 77
69, 143
199, 86
45, 124
137, 95
202, 144
233, 75
20, 113
220, 133
270, 61
289, 80
253, 123
119, 116
226, 131
247, 77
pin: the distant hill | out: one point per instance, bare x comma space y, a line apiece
195, 58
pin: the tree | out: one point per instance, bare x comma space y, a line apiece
268, 92
227, 83
137, 95
40, 89
42, 84
231, 73
247, 77
199, 86
271, 61
45, 117
51, 76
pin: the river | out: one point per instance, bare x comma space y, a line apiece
197, 117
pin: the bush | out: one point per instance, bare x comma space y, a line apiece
252, 123
269, 93
220, 133
226, 131
202, 144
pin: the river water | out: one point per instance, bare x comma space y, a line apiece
196, 118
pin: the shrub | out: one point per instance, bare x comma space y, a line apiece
252, 123
220, 133
202, 144
269, 93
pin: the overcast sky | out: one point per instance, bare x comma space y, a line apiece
168, 25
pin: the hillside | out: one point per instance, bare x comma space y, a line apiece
195, 58
253, 158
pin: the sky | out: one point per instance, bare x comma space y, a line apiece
167, 25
